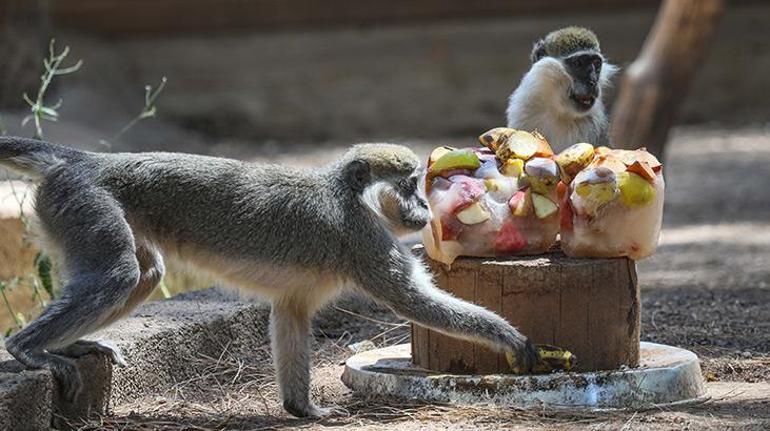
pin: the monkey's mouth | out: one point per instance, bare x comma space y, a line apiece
582, 102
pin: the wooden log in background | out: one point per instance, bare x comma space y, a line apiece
588, 306
655, 84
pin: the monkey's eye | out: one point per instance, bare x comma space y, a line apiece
408, 185
597, 64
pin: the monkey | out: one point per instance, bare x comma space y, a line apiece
298, 237
561, 94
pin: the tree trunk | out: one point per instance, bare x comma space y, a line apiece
655, 84
587, 306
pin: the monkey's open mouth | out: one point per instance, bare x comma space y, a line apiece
583, 102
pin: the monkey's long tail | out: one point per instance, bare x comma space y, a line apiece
32, 157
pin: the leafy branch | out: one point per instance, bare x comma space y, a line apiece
148, 111
53, 67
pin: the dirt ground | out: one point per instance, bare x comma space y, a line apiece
707, 289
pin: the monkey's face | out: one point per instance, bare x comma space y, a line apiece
403, 204
584, 69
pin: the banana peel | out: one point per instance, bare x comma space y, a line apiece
552, 358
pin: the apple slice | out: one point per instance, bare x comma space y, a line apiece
544, 207
598, 194
520, 145
542, 167
543, 147
574, 159
635, 190
520, 203
513, 168
473, 214
455, 159
467, 191
608, 161
493, 138
629, 157
642, 169
509, 239
438, 153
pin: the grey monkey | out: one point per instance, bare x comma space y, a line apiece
297, 237
561, 94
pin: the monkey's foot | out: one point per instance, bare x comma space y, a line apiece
524, 359
306, 411
86, 347
67, 375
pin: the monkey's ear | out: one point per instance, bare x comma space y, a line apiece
538, 51
358, 174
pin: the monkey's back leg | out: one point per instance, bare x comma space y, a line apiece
99, 252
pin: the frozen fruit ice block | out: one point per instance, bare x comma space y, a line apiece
499, 199
613, 205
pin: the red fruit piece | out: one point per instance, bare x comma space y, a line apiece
566, 213
469, 191
509, 239
450, 228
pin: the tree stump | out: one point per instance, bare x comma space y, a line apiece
587, 306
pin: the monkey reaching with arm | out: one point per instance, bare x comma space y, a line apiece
297, 237
561, 95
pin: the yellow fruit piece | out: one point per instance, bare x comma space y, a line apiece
493, 138
552, 358
544, 207
543, 186
598, 194
520, 145
513, 167
491, 185
438, 153
573, 160
634, 190
520, 203
474, 214
455, 159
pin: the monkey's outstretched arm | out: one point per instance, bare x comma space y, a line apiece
404, 285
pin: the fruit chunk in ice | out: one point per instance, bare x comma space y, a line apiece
455, 159
520, 203
509, 239
473, 214
544, 207
635, 190
573, 160
614, 207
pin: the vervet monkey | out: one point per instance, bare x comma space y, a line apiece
561, 95
297, 236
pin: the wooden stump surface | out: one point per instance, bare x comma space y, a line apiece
588, 306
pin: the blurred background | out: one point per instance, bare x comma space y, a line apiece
250, 78
297, 81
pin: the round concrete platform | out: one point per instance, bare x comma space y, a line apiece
666, 375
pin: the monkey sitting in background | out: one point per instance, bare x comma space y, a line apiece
561, 95
298, 237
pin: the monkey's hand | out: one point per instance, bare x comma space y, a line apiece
407, 288
525, 359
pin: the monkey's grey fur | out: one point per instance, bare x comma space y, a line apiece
543, 99
298, 237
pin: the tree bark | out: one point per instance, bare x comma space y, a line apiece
587, 306
655, 84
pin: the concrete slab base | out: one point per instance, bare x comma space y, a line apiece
667, 375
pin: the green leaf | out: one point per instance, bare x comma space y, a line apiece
43, 263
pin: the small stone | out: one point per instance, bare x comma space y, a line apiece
362, 346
